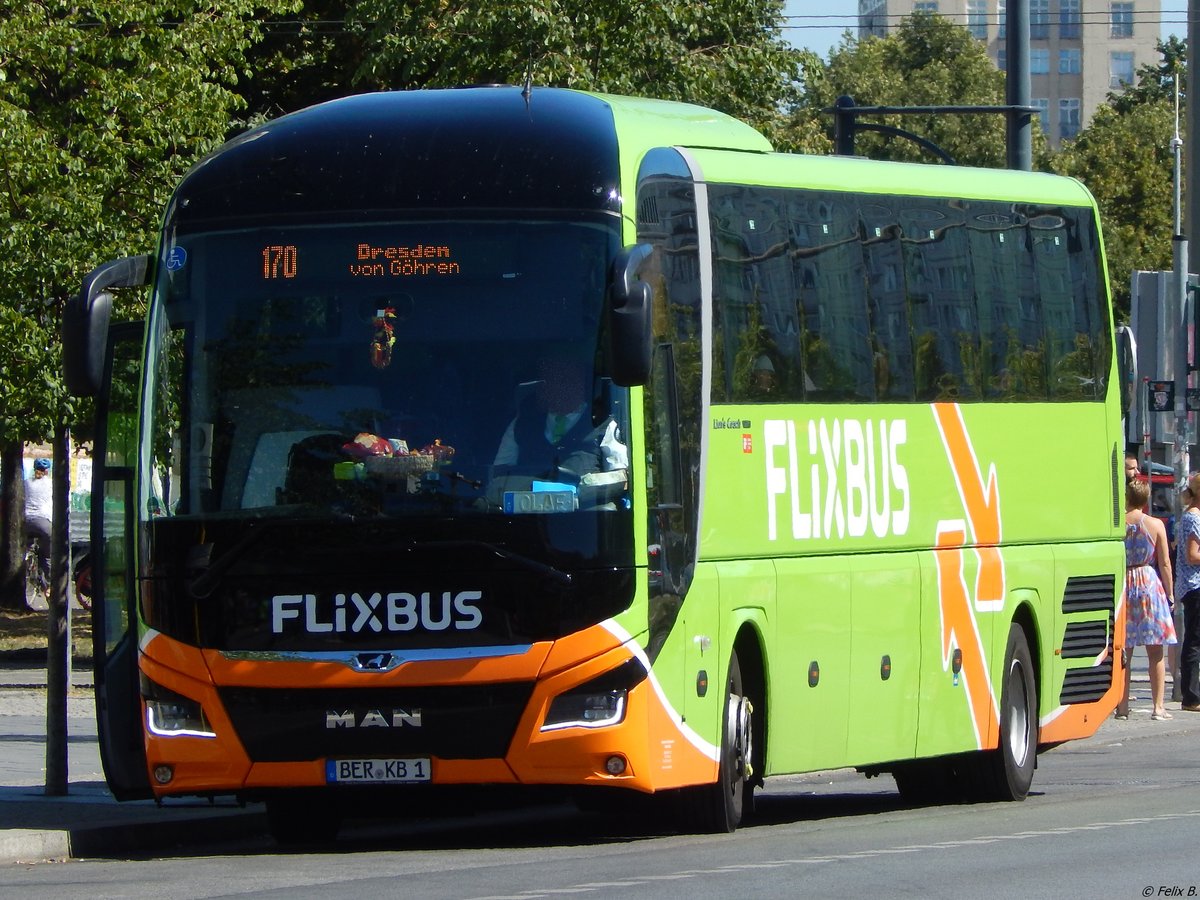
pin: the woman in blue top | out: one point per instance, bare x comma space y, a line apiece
1187, 592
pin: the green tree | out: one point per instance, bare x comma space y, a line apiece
102, 106
1157, 82
727, 54
1125, 158
307, 55
926, 61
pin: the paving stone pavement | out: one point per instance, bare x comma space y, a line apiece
87, 821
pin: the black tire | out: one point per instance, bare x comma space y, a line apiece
1006, 773
37, 591
81, 580
301, 820
724, 805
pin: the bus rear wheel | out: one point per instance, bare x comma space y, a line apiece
1006, 773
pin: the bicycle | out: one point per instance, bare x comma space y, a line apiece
37, 585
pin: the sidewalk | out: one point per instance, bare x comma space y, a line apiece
89, 822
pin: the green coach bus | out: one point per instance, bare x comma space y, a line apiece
502, 437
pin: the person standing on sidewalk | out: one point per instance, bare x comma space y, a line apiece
1148, 590
1187, 592
39, 511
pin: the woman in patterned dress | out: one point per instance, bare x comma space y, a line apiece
1148, 589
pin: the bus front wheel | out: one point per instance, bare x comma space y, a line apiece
723, 805
1007, 772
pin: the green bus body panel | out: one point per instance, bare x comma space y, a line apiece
843, 478
863, 624
643, 124
809, 724
841, 173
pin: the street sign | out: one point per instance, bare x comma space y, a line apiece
1162, 396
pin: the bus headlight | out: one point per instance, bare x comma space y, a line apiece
598, 702
169, 714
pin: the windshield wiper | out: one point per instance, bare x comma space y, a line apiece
532, 564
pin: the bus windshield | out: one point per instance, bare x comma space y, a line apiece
394, 370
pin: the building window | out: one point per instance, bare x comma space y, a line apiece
1122, 20
977, 19
925, 6
1039, 20
1043, 105
1069, 21
1039, 61
1002, 59
1070, 61
872, 18
1002, 18
1120, 69
1068, 117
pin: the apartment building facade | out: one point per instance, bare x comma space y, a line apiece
1079, 50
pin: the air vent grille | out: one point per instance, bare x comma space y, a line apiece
1086, 685
1084, 640
1090, 593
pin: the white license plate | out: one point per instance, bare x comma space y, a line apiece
519, 502
376, 771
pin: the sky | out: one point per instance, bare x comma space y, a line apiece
818, 24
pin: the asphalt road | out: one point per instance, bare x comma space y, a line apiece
1117, 815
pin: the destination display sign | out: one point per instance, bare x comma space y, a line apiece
367, 260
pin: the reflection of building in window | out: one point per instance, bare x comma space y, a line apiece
834, 296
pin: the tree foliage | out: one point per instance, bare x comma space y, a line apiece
102, 106
1126, 159
926, 61
1156, 82
727, 54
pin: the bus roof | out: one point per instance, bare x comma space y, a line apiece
471, 148
834, 173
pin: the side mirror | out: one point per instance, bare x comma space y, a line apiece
630, 306
86, 320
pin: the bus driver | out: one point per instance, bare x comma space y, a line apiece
554, 429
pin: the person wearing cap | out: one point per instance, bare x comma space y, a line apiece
39, 511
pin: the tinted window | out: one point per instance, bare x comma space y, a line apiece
833, 296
